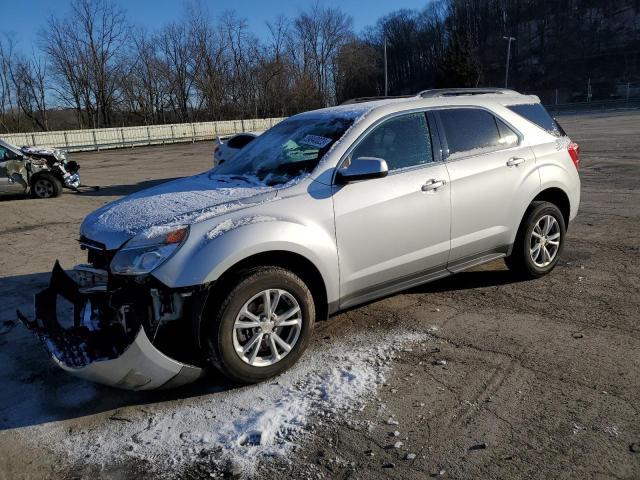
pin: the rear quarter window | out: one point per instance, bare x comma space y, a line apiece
470, 130
537, 114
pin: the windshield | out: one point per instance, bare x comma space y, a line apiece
291, 148
8, 146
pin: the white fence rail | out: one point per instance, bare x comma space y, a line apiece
104, 138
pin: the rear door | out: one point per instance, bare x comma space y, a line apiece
393, 232
492, 176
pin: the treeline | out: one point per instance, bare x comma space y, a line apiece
93, 69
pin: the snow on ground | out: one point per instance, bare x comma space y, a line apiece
242, 426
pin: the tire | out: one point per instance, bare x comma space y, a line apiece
525, 260
224, 343
45, 185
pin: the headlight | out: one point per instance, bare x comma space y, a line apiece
148, 250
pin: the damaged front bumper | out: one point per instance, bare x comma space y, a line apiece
90, 334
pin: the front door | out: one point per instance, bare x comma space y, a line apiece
393, 232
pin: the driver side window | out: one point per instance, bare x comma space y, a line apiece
401, 141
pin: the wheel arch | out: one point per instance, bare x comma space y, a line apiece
554, 195
558, 197
295, 262
292, 261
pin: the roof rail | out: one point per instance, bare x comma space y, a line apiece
351, 101
453, 92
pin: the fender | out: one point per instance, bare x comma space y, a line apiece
540, 194
205, 260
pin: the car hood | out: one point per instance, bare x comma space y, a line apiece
44, 151
179, 202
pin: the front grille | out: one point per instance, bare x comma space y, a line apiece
100, 258
97, 254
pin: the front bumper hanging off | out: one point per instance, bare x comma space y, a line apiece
98, 342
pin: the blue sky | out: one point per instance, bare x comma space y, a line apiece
29, 16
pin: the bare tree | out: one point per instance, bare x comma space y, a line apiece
144, 86
86, 51
320, 33
9, 120
29, 78
178, 67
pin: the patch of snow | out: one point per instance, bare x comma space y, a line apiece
562, 143
231, 224
157, 231
241, 426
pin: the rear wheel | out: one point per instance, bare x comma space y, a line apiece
262, 327
539, 241
45, 185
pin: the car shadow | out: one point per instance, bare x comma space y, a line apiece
35, 391
469, 280
97, 191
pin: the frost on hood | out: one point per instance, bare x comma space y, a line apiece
233, 223
184, 201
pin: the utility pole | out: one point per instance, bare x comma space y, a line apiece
386, 77
627, 91
589, 89
506, 72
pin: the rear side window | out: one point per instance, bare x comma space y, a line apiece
402, 141
537, 114
471, 129
240, 141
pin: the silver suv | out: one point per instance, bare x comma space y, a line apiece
326, 210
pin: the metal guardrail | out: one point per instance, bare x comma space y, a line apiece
593, 106
106, 138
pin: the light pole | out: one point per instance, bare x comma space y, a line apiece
506, 72
386, 78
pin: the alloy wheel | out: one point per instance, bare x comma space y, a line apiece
267, 327
545, 241
43, 188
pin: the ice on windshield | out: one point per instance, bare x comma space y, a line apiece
289, 149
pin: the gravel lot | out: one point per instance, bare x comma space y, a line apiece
500, 379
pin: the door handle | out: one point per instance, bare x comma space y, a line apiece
514, 162
432, 185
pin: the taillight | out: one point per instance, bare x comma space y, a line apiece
574, 152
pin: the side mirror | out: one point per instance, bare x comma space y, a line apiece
362, 168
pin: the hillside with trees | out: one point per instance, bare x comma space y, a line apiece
93, 69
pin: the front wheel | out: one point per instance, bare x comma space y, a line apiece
539, 241
45, 185
262, 326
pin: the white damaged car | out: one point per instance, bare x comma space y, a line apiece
225, 149
329, 209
